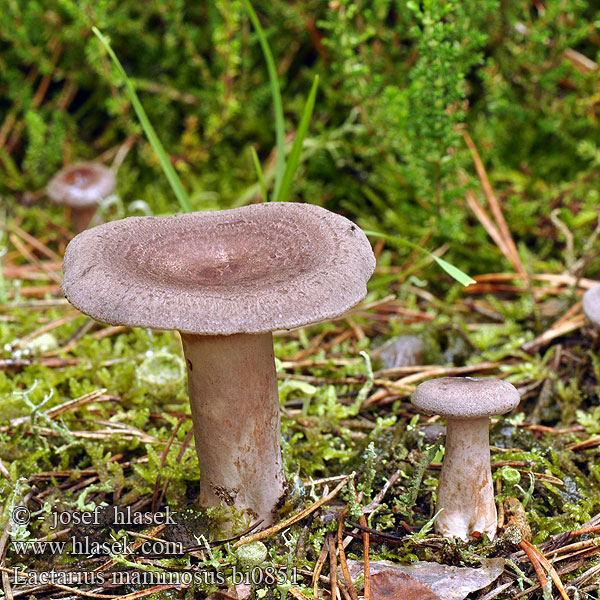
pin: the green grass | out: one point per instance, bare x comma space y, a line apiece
163, 157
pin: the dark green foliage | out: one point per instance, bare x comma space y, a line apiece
406, 68
398, 82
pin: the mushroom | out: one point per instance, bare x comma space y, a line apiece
465, 497
591, 305
81, 187
225, 280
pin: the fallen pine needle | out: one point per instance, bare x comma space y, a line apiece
367, 574
538, 560
534, 557
332, 564
511, 249
318, 568
343, 562
297, 593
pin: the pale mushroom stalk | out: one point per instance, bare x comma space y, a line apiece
465, 493
591, 305
82, 216
591, 308
235, 407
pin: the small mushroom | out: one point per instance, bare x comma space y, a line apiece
591, 305
225, 280
81, 187
465, 497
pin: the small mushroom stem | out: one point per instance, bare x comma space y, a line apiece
235, 407
465, 491
82, 217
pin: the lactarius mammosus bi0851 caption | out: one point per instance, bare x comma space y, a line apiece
465, 496
81, 187
225, 280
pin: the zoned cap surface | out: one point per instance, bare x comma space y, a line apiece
82, 184
591, 305
246, 270
466, 397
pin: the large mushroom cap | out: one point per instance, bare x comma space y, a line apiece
247, 270
81, 185
591, 305
466, 397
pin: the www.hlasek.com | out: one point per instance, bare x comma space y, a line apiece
85, 546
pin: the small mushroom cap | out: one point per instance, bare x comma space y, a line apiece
466, 397
591, 305
252, 269
81, 185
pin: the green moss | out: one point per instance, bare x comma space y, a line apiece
384, 147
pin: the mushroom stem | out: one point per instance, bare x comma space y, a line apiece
465, 491
82, 217
235, 407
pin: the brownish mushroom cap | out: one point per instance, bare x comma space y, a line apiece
466, 397
591, 305
81, 185
247, 270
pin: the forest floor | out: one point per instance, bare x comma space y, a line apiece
86, 429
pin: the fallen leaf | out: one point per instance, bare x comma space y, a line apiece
240, 592
399, 586
443, 581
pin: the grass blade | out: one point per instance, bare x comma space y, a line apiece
294, 157
163, 159
453, 271
259, 172
275, 93
3, 251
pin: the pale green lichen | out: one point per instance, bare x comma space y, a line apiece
162, 374
251, 555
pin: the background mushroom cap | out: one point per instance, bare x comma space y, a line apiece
82, 184
591, 305
246, 270
466, 397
